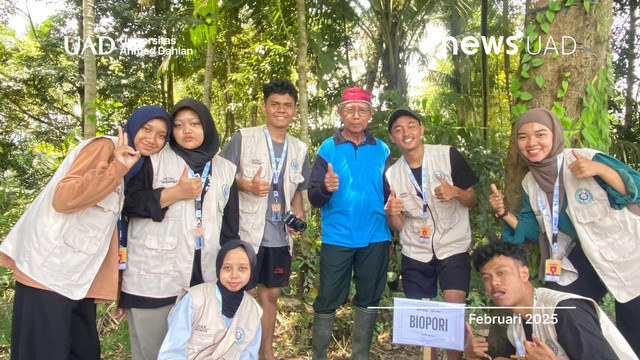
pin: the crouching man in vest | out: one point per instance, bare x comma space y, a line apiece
547, 324
217, 320
272, 171
431, 192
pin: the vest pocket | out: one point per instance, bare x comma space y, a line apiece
249, 205
412, 206
296, 177
599, 222
248, 172
112, 202
159, 255
73, 253
201, 346
448, 215
622, 256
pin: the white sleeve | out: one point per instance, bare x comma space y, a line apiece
174, 346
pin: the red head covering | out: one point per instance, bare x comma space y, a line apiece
356, 94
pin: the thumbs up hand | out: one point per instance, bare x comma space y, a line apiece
496, 199
445, 191
258, 187
331, 181
394, 206
583, 167
190, 188
476, 347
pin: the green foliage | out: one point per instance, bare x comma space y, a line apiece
594, 118
114, 336
626, 151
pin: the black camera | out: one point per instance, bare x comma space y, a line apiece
293, 222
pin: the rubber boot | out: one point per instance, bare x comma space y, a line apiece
363, 325
322, 329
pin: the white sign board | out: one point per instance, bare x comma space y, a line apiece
428, 323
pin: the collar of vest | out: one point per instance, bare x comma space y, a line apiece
338, 138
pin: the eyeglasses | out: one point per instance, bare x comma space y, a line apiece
362, 110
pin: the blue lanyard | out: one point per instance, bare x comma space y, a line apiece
423, 189
555, 216
516, 338
205, 174
276, 163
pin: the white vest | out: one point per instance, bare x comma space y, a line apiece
546, 331
610, 238
64, 251
255, 153
451, 233
160, 254
210, 338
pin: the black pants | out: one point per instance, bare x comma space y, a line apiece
337, 264
47, 325
589, 285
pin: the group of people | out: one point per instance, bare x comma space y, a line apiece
194, 230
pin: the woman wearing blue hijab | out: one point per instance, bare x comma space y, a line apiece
63, 250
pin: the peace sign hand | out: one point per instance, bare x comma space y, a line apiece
124, 153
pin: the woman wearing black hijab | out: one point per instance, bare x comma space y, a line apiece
176, 206
580, 205
230, 316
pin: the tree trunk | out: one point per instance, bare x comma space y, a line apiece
90, 77
461, 67
208, 73
630, 54
484, 9
170, 99
256, 101
303, 115
393, 36
303, 98
372, 67
592, 32
507, 59
229, 115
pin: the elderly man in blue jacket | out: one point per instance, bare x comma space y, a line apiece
347, 183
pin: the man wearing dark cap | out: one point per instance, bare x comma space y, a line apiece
347, 184
431, 191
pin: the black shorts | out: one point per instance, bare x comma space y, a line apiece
273, 267
420, 280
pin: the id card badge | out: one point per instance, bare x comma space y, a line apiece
122, 258
552, 270
425, 234
199, 234
275, 212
